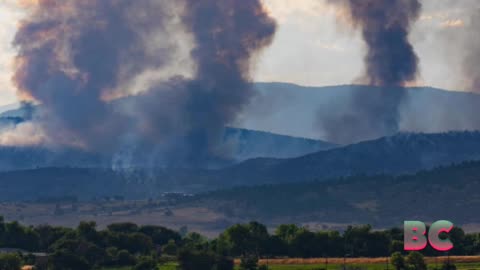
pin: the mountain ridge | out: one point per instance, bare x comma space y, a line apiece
381, 200
384, 155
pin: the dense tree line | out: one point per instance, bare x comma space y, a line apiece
127, 244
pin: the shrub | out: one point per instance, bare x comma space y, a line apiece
146, 263
416, 261
398, 261
10, 262
249, 262
124, 258
224, 263
448, 266
195, 260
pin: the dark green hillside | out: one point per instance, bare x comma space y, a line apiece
399, 154
444, 193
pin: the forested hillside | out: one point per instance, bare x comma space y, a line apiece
383, 200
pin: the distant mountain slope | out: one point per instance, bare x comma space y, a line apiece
247, 144
9, 107
22, 158
298, 110
244, 144
443, 193
402, 153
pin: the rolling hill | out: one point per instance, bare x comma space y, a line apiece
248, 144
398, 154
242, 143
382, 200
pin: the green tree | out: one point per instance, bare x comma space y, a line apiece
160, 235
87, 230
304, 244
10, 262
448, 266
195, 241
140, 243
398, 261
146, 263
416, 261
170, 248
249, 262
196, 260
125, 227
66, 260
287, 232
224, 263
124, 258
246, 239
396, 246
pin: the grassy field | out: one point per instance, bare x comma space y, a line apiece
163, 267
461, 266
462, 263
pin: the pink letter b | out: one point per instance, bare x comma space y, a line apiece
414, 235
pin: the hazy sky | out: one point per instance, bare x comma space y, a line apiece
313, 46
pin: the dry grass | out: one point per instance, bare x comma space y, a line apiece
316, 261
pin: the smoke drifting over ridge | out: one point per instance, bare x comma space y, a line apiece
73, 52
390, 63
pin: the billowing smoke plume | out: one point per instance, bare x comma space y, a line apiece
390, 63
74, 53
227, 35
391, 59
472, 48
71, 53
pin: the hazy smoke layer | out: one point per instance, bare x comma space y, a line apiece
74, 53
390, 63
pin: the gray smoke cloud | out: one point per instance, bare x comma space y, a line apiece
472, 49
73, 53
390, 63
227, 36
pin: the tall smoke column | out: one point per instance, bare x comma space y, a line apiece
390, 63
72, 52
227, 36
385, 24
472, 49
